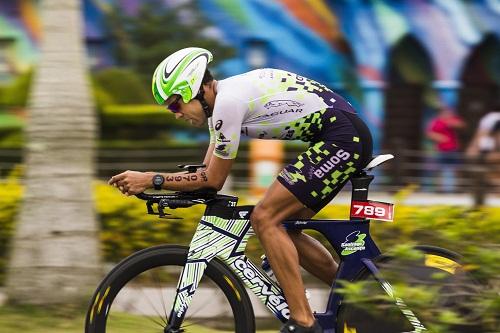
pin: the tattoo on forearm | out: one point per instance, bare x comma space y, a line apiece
187, 177
204, 176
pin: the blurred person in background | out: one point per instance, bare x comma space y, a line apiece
443, 132
266, 104
485, 145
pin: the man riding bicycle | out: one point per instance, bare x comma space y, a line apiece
266, 104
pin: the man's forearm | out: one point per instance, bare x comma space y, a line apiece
187, 181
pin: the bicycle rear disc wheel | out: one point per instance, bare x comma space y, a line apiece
138, 294
432, 285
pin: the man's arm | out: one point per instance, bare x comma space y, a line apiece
436, 137
433, 135
208, 155
134, 182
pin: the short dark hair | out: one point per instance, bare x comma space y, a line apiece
207, 77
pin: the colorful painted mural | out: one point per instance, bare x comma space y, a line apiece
19, 35
355, 46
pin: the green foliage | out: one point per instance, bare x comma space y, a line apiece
17, 92
127, 228
475, 234
11, 135
136, 115
13, 96
31, 319
10, 196
135, 126
119, 86
144, 40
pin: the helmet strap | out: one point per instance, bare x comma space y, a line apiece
200, 97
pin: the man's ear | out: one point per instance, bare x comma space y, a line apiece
207, 86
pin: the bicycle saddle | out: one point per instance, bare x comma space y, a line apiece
377, 160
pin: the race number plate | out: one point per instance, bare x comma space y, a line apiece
372, 210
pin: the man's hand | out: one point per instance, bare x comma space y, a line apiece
132, 182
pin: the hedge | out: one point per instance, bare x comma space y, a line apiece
119, 86
127, 228
16, 93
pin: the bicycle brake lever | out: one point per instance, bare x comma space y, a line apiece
168, 216
149, 205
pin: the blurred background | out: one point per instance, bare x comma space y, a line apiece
76, 108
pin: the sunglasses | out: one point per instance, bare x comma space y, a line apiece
175, 105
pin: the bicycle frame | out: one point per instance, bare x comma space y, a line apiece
223, 232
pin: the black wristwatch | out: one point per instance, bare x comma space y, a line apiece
158, 181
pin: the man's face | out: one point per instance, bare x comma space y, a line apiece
192, 112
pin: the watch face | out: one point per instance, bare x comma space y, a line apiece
158, 180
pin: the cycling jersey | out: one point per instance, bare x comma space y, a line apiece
268, 104
276, 104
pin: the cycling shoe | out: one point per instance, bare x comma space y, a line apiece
291, 326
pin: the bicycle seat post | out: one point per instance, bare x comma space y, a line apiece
360, 185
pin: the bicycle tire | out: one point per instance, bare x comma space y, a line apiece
437, 268
167, 257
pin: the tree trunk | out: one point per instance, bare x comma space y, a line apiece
55, 249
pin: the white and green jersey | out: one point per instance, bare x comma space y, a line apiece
268, 104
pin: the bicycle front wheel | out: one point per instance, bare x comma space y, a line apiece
431, 292
138, 294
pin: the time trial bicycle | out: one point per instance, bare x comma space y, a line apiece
211, 274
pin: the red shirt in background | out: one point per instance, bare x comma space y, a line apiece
441, 126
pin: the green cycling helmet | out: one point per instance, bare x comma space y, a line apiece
180, 73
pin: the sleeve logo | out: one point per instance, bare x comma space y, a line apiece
218, 124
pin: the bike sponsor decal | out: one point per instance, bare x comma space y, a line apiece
281, 102
326, 167
262, 288
354, 242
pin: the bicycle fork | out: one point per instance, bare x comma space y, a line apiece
418, 327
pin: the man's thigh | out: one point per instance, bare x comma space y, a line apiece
319, 173
280, 204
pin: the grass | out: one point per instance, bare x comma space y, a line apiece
15, 319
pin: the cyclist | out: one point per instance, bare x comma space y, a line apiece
266, 104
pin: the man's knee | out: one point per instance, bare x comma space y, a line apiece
261, 218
